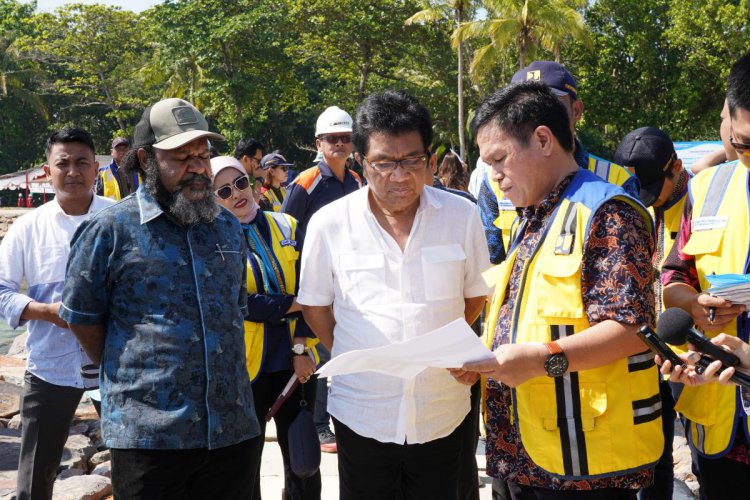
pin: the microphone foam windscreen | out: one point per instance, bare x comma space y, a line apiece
673, 326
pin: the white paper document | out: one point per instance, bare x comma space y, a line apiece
732, 287
448, 347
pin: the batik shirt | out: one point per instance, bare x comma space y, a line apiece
616, 284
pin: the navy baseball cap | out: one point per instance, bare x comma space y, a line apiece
553, 74
273, 160
650, 153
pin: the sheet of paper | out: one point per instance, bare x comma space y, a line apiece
448, 347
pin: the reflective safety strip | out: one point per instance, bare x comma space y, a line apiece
642, 361
700, 431
646, 410
283, 224
602, 169
567, 237
716, 191
568, 395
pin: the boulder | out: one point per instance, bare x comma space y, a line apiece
15, 423
78, 450
78, 429
104, 469
82, 488
70, 473
18, 347
99, 458
8, 484
10, 399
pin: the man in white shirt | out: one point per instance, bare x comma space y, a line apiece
387, 263
36, 249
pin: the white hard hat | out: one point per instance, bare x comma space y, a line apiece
333, 120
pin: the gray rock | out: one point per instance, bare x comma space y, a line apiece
10, 399
99, 458
104, 469
4, 422
78, 450
82, 488
10, 447
15, 422
70, 473
78, 429
18, 347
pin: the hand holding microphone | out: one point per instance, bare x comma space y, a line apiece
675, 327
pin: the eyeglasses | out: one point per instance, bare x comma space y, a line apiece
741, 147
240, 184
411, 163
334, 139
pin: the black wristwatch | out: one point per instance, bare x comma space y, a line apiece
557, 362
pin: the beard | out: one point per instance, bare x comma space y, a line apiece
186, 212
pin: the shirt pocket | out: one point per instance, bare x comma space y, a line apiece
704, 242
50, 263
443, 271
363, 278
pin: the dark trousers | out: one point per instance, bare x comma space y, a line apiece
370, 469
223, 473
46, 413
723, 478
519, 492
320, 408
663, 486
266, 388
468, 475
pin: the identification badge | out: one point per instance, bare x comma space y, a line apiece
288, 243
505, 205
706, 223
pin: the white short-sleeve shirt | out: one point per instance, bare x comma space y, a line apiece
382, 295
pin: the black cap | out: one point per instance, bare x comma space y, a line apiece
649, 152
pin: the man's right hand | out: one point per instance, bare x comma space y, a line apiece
40, 311
725, 312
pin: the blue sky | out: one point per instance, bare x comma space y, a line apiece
134, 5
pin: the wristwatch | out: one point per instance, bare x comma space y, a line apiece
300, 349
557, 363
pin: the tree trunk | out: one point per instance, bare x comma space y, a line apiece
110, 101
461, 124
229, 70
364, 71
522, 51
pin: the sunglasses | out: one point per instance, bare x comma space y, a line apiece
740, 147
240, 184
334, 139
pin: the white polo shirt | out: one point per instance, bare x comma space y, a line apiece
382, 295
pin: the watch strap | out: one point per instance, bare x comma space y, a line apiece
553, 348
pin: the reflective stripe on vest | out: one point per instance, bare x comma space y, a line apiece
592, 423
282, 228
720, 247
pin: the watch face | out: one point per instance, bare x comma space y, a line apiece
556, 365
298, 349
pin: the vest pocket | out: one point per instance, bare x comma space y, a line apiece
704, 242
558, 289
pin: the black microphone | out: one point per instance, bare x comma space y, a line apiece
675, 327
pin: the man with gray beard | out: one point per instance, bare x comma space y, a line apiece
155, 293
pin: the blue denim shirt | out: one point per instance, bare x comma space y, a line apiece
172, 301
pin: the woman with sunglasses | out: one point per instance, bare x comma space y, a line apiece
278, 343
276, 168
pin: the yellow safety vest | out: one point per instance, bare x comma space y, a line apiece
606, 170
283, 232
110, 184
592, 423
719, 241
274, 200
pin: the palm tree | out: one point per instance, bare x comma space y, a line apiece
527, 24
455, 11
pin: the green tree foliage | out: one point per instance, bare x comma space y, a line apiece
528, 25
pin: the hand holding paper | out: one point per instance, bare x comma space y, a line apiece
451, 346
